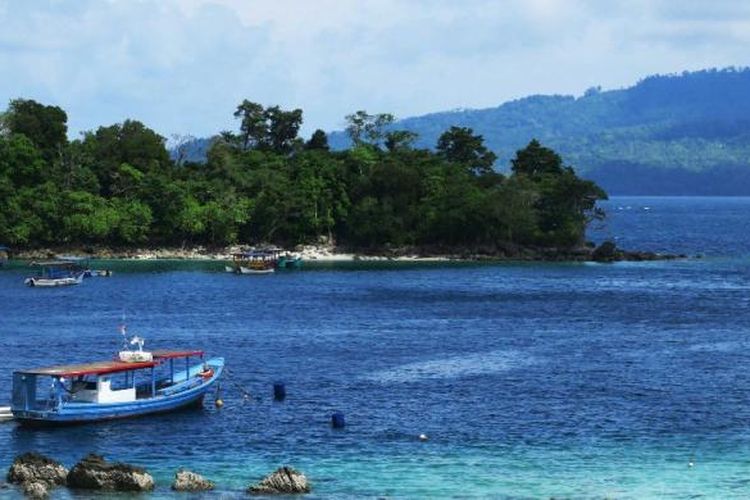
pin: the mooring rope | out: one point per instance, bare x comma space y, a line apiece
245, 393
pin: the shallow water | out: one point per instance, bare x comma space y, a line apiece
531, 380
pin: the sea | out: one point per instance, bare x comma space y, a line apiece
529, 380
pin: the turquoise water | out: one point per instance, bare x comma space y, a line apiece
531, 380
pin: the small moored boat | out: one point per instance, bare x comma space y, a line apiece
136, 383
56, 273
253, 262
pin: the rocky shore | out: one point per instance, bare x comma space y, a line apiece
36, 476
605, 252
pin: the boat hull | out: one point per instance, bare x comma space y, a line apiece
54, 282
80, 413
247, 270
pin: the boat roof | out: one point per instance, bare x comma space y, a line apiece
105, 367
72, 258
164, 354
52, 263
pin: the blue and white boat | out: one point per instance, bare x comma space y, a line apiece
136, 383
56, 273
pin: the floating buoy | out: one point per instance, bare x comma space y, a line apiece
219, 403
423, 437
279, 391
338, 421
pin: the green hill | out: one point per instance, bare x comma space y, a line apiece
668, 134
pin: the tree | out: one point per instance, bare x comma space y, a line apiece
130, 142
318, 140
46, 126
267, 129
364, 128
283, 127
460, 145
565, 202
535, 160
400, 139
253, 126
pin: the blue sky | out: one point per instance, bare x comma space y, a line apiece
182, 66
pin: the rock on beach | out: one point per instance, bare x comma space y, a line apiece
93, 472
283, 481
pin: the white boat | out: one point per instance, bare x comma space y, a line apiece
248, 270
230, 269
56, 273
51, 282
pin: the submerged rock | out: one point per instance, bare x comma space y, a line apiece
284, 481
35, 489
93, 472
34, 467
185, 480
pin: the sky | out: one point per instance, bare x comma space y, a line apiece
183, 66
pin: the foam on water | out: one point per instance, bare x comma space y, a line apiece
455, 367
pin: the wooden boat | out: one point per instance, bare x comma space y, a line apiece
56, 273
129, 386
253, 262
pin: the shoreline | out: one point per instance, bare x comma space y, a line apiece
606, 252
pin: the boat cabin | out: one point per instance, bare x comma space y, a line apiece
256, 259
55, 269
106, 382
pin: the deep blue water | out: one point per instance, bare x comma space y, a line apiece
531, 380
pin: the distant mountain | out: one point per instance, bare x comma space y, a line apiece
672, 134
191, 149
667, 135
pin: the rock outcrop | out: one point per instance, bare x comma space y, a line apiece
36, 468
93, 472
35, 490
185, 480
284, 481
606, 252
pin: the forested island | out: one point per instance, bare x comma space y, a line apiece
117, 187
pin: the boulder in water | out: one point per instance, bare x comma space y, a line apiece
93, 472
36, 468
35, 489
284, 481
185, 480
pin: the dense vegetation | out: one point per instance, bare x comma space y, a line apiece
676, 134
118, 186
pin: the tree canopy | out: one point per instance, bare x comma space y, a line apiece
262, 183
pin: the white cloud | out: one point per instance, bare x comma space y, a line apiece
183, 65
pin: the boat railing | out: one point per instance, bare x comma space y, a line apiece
31, 392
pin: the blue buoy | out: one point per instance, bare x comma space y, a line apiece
279, 391
337, 420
